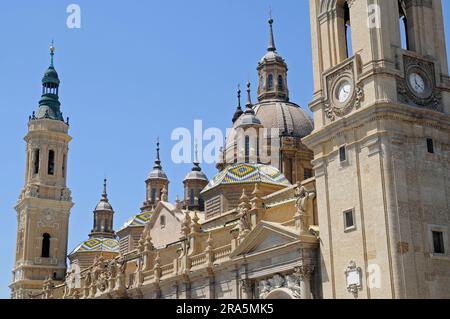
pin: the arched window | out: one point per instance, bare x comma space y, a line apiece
348, 30
51, 162
191, 197
403, 25
270, 82
45, 246
36, 161
64, 166
153, 197
280, 83
162, 221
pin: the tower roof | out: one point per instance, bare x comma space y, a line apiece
248, 118
196, 172
49, 105
157, 171
239, 111
271, 54
104, 202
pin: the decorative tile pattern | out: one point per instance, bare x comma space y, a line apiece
98, 244
248, 173
138, 220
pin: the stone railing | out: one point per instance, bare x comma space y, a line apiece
198, 260
222, 253
167, 269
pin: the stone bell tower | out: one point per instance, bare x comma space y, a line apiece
44, 205
381, 145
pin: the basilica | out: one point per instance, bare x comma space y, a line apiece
351, 203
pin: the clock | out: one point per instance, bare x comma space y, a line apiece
343, 91
417, 83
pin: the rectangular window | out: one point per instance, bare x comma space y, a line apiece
438, 242
342, 154
36, 161
430, 146
349, 220
153, 195
51, 162
307, 173
191, 198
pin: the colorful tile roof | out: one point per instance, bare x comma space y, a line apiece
248, 173
138, 220
98, 245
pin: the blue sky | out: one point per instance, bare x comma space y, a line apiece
134, 71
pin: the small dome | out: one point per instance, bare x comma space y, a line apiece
157, 173
98, 244
196, 174
248, 119
102, 205
271, 56
248, 173
51, 76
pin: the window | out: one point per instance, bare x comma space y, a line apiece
348, 30
280, 83
45, 246
36, 161
270, 82
349, 220
191, 197
162, 221
403, 26
51, 162
247, 148
438, 242
342, 154
307, 173
430, 145
153, 195
64, 166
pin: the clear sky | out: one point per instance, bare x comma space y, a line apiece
135, 70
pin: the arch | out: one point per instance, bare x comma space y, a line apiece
191, 197
330, 5
280, 293
280, 83
45, 245
347, 30
403, 25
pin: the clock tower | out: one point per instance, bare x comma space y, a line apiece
381, 144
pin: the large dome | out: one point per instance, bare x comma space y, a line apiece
286, 116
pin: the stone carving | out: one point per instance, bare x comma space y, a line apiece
290, 282
66, 195
48, 219
32, 191
244, 218
353, 278
304, 198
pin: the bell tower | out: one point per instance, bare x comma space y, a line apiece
43, 207
381, 144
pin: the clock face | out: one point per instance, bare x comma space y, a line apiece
344, 91
417, 82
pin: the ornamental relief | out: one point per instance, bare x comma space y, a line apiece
344, 94
418, 86
48, 219
290, 282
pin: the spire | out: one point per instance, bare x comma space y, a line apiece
104, 195
249, 105
52, 53
157, 160
271, 46
239, 111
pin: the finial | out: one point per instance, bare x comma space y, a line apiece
52, 52
196, 152
157, 160
239, 96
249, 98
104, 185
271, 46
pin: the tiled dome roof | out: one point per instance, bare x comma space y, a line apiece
248, 173
98, 244
138, 220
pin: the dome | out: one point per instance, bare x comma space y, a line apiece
248, 173
102, 205
157, 173
288, 117
196, 174
51, 76
271, 56
98, 244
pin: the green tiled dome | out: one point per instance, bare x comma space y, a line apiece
248, 173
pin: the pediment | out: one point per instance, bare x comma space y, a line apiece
265, 236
